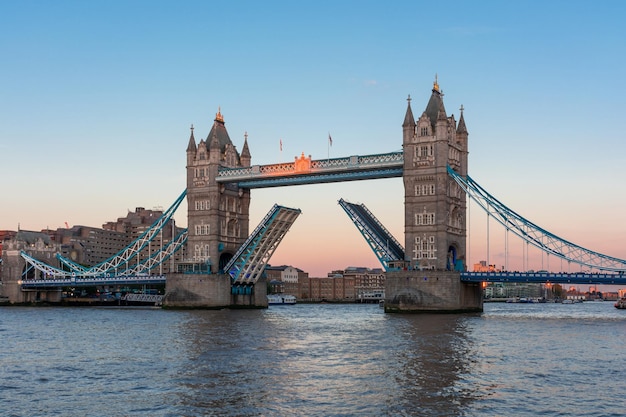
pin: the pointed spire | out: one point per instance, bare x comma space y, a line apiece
219, 130
461, 127
245, 151
409, 120
435, 109
191, 147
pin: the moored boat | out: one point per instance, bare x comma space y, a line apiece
280, 299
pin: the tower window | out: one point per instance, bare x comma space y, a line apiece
422, 219
424, 189
203, 229
425, 248
203, 205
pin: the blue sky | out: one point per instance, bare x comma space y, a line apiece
96, 101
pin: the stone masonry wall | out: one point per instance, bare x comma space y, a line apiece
415, 291
209, 291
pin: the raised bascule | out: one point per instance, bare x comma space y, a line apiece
223, 263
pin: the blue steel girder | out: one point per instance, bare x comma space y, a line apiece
158, 257
250, 260
141, 269
121, 260
73, 266
533, 234
254, 236
54, 277
111, 267
320, 178
579, 278
44, 268
381, 241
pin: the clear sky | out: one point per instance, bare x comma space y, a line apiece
97, 97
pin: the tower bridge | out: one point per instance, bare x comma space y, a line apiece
223, 262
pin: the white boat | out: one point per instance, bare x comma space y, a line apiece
280, 299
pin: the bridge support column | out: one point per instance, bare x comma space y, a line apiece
12, 267
16, 295
13, 291
256, 298
210, 291
415, 291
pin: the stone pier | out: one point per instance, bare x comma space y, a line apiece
210, 291
412, 291
12, 290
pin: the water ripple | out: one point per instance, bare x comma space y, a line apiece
314, 360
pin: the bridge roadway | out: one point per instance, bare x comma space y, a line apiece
543, 277
77, 281
534, 277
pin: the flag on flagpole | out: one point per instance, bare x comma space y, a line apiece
281, 144
330, 140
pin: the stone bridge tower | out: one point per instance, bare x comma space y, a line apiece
217, 215
435, 217
435, 206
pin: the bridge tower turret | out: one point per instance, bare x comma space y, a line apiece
435, 206
217, 215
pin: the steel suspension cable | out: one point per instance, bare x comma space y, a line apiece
533, 234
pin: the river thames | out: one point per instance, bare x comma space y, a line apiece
313, 360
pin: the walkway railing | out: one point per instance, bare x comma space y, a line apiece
78, 281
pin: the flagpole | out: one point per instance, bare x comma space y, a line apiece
330, 141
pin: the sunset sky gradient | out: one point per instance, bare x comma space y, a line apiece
96, 101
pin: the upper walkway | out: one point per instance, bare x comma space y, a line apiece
304, 170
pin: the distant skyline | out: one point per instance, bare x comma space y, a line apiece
97, 100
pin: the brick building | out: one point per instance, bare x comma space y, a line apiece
285, 279
369, 284
335, 288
